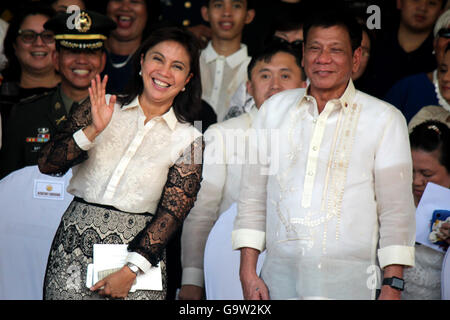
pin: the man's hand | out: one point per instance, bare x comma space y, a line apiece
190, 292
253, 287
202, 32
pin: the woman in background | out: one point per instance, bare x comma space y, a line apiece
430, 149
29, 49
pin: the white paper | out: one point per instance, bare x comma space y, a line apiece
435, 197
109, 256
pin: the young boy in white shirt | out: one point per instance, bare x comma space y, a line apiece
223, 63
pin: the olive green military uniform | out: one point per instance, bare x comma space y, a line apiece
32, 123
36, 120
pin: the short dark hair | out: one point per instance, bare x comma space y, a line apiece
330, 15
272, 49
186, 104
13, 70
432, 136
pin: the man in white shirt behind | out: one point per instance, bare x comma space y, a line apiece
224, 61
333, 205
276, 69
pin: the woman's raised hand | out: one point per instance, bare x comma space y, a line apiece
101, 111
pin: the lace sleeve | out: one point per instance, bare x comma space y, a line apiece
178, 197
61, 152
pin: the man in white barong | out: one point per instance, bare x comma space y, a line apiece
275, 69
332, 202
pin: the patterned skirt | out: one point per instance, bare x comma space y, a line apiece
83, 225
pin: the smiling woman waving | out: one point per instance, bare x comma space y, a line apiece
139, 170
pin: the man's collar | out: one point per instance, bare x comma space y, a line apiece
169, 117
233, 60
68, 102
344, 101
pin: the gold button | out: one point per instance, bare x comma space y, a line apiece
186, 23
187, 4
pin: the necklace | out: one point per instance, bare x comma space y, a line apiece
442, 102
120, 64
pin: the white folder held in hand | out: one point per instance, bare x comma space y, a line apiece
109, 258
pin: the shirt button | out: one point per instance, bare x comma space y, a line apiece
311, 173
186, 22
314, 148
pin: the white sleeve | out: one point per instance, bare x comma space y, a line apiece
205, 212
395, 204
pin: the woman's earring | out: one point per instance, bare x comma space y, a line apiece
184, 89
140, 73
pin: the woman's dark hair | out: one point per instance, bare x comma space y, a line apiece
13, 70
287, 17
432, 136
186, 104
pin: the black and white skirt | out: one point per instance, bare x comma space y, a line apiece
83, 225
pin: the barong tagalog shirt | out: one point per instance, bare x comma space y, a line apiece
332, 187
224, 156
129, 161
128, 164
221, 76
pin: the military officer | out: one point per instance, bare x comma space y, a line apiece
79, 56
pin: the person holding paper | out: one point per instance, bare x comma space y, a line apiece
430, 149
137, 163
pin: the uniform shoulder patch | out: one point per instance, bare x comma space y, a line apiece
34, 97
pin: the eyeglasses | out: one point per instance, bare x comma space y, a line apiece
30, 36
444, 33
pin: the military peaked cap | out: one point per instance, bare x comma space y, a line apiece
81, 29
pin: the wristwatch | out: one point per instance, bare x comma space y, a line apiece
394, 282
134, 268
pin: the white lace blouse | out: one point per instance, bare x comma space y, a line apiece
128, 162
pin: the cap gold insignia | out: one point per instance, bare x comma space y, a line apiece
57, 105
85, 22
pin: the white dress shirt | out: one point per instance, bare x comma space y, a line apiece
223, 160
221, 77
129, 161
336, 188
